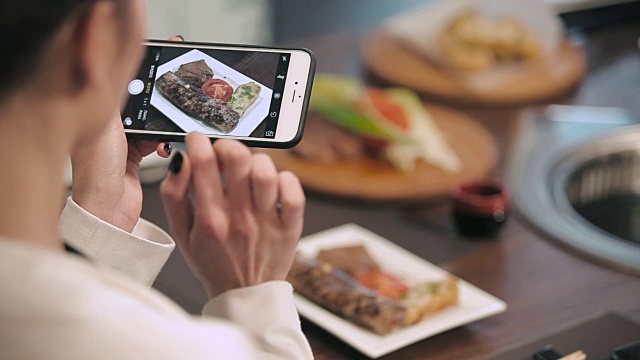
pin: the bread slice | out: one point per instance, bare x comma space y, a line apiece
428, 298
244, 96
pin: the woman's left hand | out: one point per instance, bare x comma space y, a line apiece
106, 180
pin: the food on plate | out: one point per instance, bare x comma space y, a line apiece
361, 291
384, 283
341, 294
326, 143
472, 43
356, 261
194, 90
343, 102
244, 96
352, 259
466, 58
195, 72
194, 102
218, 89
388, 124
428, 298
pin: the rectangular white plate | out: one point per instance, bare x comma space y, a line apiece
254, 115
474, 303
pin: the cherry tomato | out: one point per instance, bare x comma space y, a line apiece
218, 89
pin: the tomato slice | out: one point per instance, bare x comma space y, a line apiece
389, 110
386, 284
218, 89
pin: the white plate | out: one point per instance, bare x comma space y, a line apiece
254, 115
474, 303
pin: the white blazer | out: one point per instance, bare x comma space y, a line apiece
55, 305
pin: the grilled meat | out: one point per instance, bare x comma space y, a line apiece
193, 101
342, 295
353, 260
326, 143
196, 73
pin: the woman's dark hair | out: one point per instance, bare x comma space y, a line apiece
26, 26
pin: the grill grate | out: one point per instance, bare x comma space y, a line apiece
606, 176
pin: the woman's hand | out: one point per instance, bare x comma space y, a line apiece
238, 232
106, 180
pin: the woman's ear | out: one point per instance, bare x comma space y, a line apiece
96, 43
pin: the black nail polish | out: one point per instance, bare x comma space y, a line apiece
168, 148
176, 163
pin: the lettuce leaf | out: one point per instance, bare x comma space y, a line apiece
342, 101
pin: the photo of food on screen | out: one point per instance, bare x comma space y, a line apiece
216, 92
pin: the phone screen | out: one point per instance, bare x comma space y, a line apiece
219, 92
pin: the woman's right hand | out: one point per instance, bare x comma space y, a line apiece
238, 232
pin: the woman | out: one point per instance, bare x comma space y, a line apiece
65, 65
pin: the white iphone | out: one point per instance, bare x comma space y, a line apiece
258, 95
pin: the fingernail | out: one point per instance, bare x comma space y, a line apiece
168, 148
181, 37
176, 163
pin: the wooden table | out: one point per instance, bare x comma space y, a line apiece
547, 287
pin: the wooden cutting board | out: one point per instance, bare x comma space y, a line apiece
372, 179
396, 63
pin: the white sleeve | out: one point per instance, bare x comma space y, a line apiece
139, 255
267, 313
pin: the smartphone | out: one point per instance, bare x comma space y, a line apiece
258, 95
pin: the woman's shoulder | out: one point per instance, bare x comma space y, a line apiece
66, 282
77, 308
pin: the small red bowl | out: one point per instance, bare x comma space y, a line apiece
480, 207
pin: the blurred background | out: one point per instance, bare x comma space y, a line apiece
268, 21
563, 137
235, 21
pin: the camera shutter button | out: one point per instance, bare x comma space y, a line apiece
136, 87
